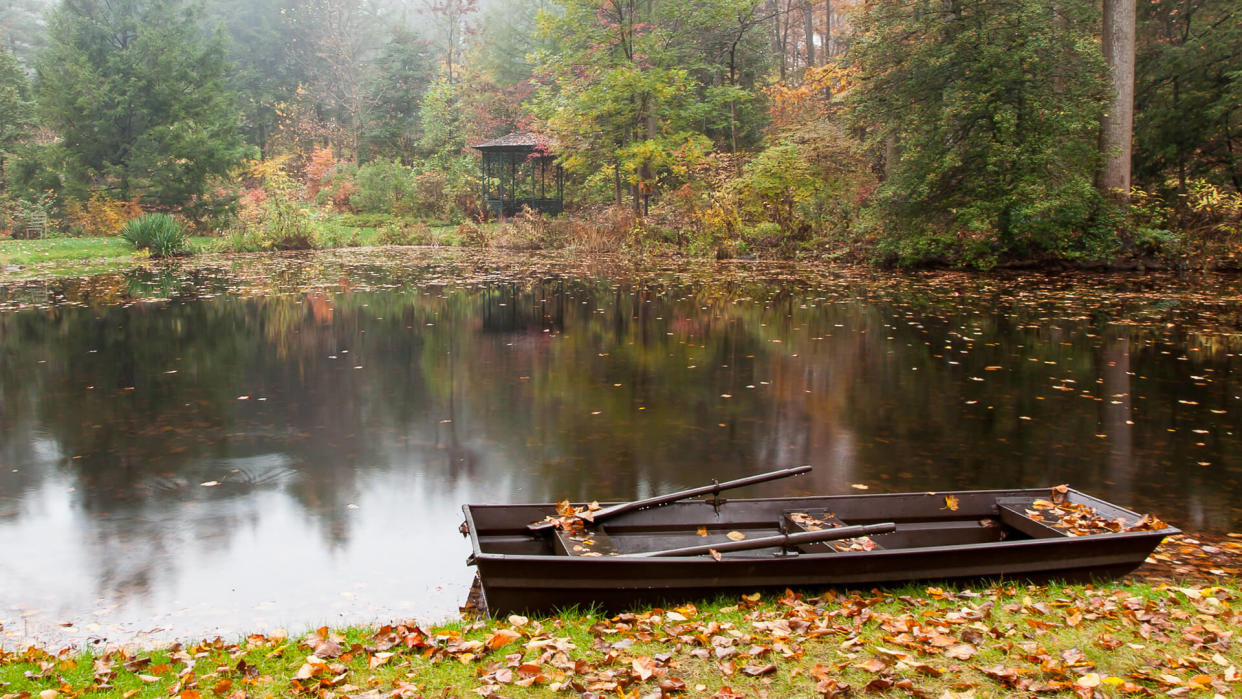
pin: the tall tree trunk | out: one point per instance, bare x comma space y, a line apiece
1117, 124
778, 37
828, 53
808, 28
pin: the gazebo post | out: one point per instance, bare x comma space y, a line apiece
507, 154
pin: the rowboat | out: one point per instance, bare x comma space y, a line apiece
540, 557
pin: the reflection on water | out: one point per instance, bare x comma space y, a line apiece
289, 445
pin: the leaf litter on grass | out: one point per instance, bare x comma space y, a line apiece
1086, 641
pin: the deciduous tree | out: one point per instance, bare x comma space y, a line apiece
1117, 122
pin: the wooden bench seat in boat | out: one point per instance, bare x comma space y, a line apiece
590, 543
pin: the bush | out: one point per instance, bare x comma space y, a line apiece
160, 234
26, 218
331, 235
469, 234
1210, 210
101, 214
602, 231
271, 216
403, 233
530, 230
383, 186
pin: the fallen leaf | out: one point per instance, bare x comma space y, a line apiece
1089, 680
961, 651
502, 638
874, 665
736, 535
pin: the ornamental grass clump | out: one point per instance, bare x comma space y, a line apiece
160, 234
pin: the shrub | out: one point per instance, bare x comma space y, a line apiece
159, 234
1210, 210
469, 234
530, 230
101, 214
383, 186
271, 216
330, 235
605, 230
430, 194
27, 218
404, 233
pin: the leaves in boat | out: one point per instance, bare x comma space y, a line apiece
1077, 519
735, 535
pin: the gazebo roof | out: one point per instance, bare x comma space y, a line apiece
516, 141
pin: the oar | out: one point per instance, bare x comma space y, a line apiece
714, 488
782, 540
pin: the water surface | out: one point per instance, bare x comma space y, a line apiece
285, 441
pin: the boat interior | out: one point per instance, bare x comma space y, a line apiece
921, 520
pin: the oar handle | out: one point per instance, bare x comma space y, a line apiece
614, 510
782, 540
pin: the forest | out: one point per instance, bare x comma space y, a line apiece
970, 133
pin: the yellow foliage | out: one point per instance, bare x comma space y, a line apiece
101, 214
265, 169
792, 103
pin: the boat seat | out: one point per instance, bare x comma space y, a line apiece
590, 543
1014, 515
802, 521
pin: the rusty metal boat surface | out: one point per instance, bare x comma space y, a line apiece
933, 536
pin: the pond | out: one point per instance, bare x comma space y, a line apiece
261, 442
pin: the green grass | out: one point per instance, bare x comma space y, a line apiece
912, 641
71, 257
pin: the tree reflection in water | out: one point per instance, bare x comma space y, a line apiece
308, 430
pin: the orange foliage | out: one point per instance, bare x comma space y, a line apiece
321, 163
792, 105
101, 214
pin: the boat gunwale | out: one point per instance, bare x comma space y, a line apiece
480, 556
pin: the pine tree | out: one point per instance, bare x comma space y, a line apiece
403, 72
139, 93
16, 109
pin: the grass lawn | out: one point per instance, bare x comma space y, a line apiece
71, 257
1112, 640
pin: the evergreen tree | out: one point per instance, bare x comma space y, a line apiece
1188, 97
139, 93
16, 109
266, 42
988, 111
403, 72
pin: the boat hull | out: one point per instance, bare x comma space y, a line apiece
940, 537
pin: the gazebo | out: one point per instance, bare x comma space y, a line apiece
520, 170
